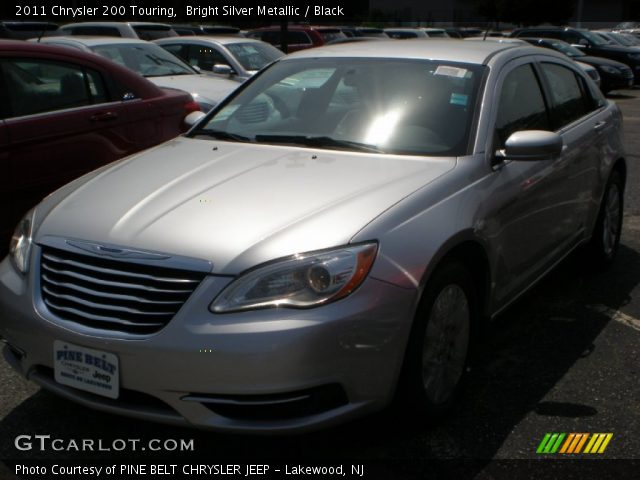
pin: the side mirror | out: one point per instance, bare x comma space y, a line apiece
222, 69
531, 145
196, 68
193, 118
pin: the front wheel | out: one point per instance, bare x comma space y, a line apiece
605, 240
438, 351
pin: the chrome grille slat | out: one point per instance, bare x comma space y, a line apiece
100, 306
86, 278
113, 294
100, 318
97, 293
73, 263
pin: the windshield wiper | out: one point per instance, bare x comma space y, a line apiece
318, 142
220, 135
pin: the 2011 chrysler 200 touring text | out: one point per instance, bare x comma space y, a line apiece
333, 233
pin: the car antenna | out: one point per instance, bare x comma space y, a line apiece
486, 32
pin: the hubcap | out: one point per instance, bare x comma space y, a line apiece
445, 344
611, 223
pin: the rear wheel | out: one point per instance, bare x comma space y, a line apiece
438, 352
606, 234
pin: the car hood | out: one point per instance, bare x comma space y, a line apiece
212, 88
235, 205
617, 49
600, 61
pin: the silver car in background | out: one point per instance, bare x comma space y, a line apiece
332, 235
235, 57
153, 63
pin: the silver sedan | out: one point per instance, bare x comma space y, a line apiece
334, 234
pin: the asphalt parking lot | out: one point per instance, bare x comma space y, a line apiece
565, 358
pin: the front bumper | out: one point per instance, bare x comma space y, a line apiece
260, 371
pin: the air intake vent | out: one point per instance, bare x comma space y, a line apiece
112, 294
255, 112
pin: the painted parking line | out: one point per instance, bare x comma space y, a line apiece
617, 315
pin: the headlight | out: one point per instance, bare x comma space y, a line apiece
302, 281
20, 246
635, 56
610, 70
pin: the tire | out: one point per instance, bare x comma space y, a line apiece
438, 351
605, 239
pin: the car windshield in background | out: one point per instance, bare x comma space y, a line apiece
390, 105
621, 39
252, 55
594, 38
149, 60
567, 49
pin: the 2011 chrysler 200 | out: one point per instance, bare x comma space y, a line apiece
335, 232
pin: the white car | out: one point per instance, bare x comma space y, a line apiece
236, 57
142, 30
154, 63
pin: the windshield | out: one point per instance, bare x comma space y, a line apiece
147, 59
593, 38
621, 39
567, 49
253, 55
388, 105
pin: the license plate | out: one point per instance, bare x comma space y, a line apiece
86, 369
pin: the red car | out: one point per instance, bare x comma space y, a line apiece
64, 113
299, 37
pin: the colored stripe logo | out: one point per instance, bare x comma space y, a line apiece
574, 443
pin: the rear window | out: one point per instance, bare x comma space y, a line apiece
153, 32
331, 34
24, 30
99, 31
274, 37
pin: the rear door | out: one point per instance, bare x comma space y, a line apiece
580, 116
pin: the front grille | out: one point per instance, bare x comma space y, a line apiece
112, 294
627, 72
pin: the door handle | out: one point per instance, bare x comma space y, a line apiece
599, 125
103, 116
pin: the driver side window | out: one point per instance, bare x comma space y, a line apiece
521, 104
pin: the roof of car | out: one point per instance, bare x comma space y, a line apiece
92, 41
114, 24
296, 27
222, 39
477, 52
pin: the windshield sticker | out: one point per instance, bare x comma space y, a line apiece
451, 71
459, 99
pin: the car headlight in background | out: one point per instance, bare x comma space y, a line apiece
302, 281
635, 56
20, 246
610, 70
